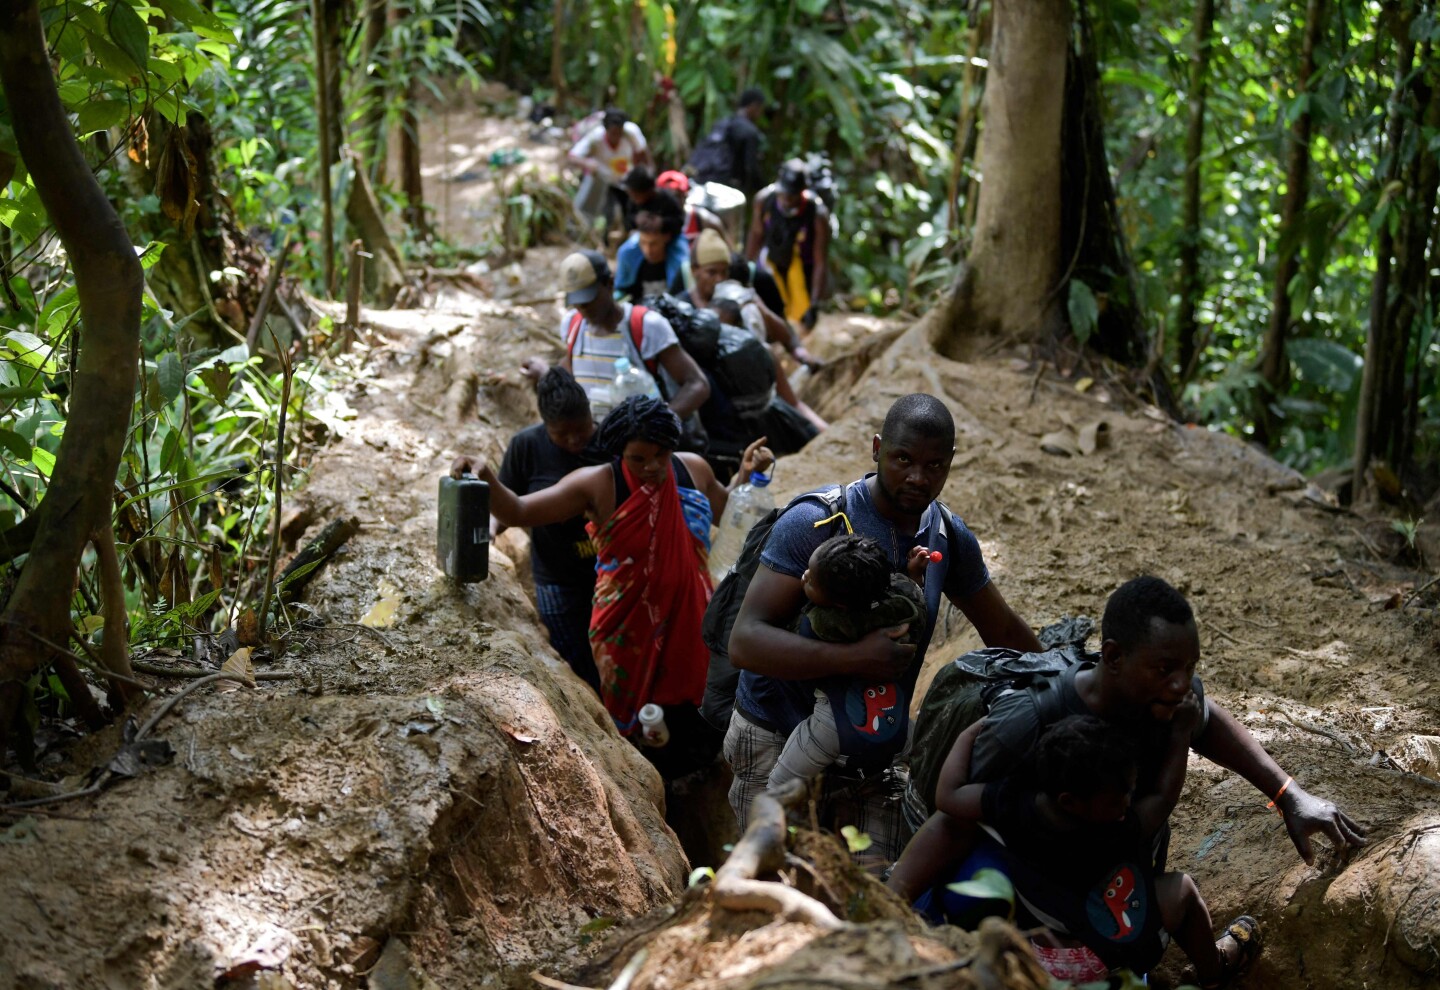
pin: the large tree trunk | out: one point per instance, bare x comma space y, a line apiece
1274, 365
109, 283
1380, 343
1191, 286
1010, 279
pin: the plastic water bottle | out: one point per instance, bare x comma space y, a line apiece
748, 504
653, 730
602, 400
631, 381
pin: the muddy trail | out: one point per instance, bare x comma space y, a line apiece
436, 801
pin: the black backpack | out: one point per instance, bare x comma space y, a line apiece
711, 159
961, 694
723, 678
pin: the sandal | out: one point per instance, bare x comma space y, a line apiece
1245, 932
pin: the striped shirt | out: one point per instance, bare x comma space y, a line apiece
595, 353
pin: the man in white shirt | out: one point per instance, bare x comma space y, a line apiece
605, 154
598, 331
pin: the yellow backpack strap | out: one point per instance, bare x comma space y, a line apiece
842, 517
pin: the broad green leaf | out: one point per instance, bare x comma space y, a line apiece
169, 450
100, 115
43, 460
987, 884
170, 376
1325, 362
217, 380
1083, 309
16, 444
11, 392
31, 351
1140, 80
23, 216
199, 20
129, 33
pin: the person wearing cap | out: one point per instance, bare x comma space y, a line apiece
713, 265
790, 234
598, 330
605, 153
730, 153
643, 193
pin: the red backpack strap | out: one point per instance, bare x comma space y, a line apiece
573, 334
637, 335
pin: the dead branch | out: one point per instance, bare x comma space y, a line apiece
331, 538
762, 850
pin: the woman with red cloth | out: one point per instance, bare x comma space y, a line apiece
650, 511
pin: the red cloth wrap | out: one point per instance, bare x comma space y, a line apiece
652, 586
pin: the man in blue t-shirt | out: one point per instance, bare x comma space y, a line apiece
896, 507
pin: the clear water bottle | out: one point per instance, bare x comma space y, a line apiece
748, 504
602, 400
631, 381
653, 730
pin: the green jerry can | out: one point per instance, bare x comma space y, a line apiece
462, 544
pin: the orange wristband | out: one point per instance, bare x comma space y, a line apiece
1280, 793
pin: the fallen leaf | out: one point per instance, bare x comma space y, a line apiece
1083, 385
239, 663
518, 735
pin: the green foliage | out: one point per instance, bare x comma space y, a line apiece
987, 885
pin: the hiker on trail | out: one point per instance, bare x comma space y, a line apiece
643, 194
713, 265
852, 592
653, 260
1077, 841
697, 218
562, 558
730, 153
790, 234
650, 511
896, 506
599, 330
604, 154
1143, 675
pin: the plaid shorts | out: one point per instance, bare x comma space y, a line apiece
871, 803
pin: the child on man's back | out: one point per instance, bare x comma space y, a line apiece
852, 592
1080, 849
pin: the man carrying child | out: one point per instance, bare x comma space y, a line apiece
896, 508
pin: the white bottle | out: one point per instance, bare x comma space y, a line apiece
653, 731
631, 381
748, 504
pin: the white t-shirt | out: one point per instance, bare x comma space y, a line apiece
592, 361
619, 159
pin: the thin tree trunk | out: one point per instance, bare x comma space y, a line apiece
557, 52
410, 178
1274, 365
1378, 342
109, 282
327, 150
1009, 279
964, 127
1190, 285
363, 212
372, 90
1422, 176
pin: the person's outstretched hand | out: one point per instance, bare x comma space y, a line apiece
1306, 814
757, 457
534, 368
472, 464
